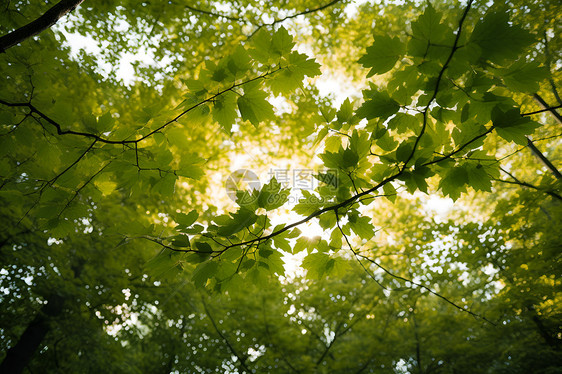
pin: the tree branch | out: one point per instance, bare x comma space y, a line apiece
218, 15
100, 139
544, 159
230, 347
305, 12
547, 107
429, 290
48, 19
525, 184
56, 177
399, 277
383, 182
269, 337
548, 65
438, 81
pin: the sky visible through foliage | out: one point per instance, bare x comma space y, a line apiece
280, 187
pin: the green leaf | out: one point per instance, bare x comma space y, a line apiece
382, 55
105, 184
203, 272
203, 247
387, 143
231, 225
282, 243
303, 65
499, 40
282, 42
253, 105
331, 160
416, 179
403, 122
292, 75
239, 61
405, 83
511, 126
454, 182
524, 76
271, 196
165, 185
189, 166
262, 46
273, 261
104, 123
390, 192
362, 226
404, 151
220, 73
224, 110
379, 105
179, 241
186, 219
478, 178
330, 178
309, 244
166, 264
503, 118
316, 264
346, 111
349, 158
360, 143
257, 274
429, 27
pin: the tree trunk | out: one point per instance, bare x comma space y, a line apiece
42, 23
19, 356
544, 332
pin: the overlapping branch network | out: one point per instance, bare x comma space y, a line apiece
60, 131
259, 26
338, 208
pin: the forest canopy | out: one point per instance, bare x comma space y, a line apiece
280, 186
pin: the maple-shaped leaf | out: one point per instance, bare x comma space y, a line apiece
454, 182
511, 126
253, 105
224, 110
524, 76
382, 55
379, 105
498, 39
428, 25
291, 76
478, 178
282, 41
231, 224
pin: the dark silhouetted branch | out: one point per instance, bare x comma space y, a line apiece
229, 345
218, 15
546, 107
544, 159
525, 184
48, 19
60, 131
